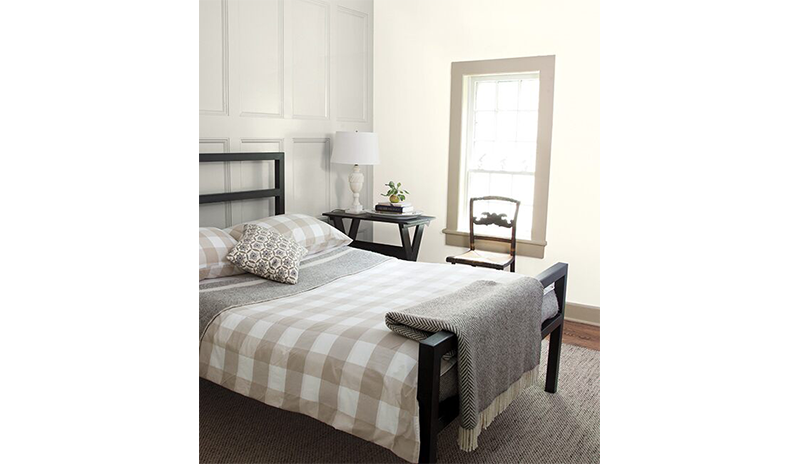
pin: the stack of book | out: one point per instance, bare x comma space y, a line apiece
398, 208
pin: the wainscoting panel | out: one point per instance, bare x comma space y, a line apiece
311, 174
215, 178
310, 59
255, 175
259, 174
260, 57
283, 75
214, 57
352, 49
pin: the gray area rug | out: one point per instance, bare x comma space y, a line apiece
537, 427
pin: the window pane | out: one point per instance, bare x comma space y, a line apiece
503, 156
515, 160
492, 206
529, 94
485, 98
526, 154
500, 185
480, 154
524, 222
522, 189
507, 95
488, 155
527, 126
507, 125
504, 153
478, 184
484, 125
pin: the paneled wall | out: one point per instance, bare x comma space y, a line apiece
282, 75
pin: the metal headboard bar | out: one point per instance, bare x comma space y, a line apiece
279, 192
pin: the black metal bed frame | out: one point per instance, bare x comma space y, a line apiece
434, 416
279, 192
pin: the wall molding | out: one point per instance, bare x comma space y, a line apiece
260, 140
226, 148
365, 70
327, 142
327, 111
281, 78
225, 67
226, 141
245, 140
585, 314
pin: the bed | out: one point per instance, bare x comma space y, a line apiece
322, 347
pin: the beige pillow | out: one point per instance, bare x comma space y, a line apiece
310, 233
268, 254
215, 244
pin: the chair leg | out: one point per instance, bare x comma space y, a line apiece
513, 267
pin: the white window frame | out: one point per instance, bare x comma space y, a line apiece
461, 125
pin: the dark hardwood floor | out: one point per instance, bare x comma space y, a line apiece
585, 335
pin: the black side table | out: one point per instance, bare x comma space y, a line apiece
408, 251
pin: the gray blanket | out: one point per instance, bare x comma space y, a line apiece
498, 327
219, 295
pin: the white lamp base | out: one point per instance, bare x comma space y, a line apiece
356, 182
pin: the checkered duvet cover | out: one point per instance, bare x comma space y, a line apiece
328, 354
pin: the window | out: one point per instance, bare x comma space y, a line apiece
500, 144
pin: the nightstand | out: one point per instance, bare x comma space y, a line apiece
410, 248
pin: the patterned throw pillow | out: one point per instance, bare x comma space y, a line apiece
268, 254
310, 233
215, 244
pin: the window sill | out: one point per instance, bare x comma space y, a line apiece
528, 248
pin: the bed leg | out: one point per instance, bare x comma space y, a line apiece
554, 354
554, 359
427, 450
428, 398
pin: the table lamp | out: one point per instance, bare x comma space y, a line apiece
355, 148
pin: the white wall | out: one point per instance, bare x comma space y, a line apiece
415, 42
282, 75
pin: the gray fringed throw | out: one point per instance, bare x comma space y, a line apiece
498, 327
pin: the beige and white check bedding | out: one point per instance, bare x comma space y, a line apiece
215, 244
327, 352
309, 232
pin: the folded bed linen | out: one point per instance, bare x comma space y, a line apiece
325, 350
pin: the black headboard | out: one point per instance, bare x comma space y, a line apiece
278, 192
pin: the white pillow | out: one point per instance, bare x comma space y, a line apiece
308, 232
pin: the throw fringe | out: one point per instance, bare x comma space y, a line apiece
468, 438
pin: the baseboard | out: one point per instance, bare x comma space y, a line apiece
582, 313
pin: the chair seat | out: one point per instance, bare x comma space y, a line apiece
483, 259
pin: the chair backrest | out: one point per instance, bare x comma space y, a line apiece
490, 218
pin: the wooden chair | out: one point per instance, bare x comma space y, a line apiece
492, 261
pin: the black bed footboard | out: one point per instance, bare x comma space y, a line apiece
434, 415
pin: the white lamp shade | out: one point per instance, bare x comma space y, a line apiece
355, 148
